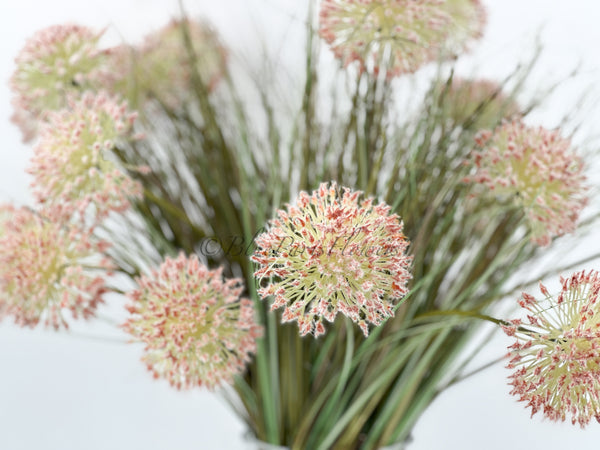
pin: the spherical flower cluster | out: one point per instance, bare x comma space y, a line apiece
480, 102
557, 353
398, 36
163, 67
55, 62
71, 165
537, 170
46, 268
197, 329
331, 254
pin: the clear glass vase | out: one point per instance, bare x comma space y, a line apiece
255, 444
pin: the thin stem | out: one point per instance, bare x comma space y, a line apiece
107, 320
97, 338
173, 210
308, 107
456, 312
333, 402
476, 315
382, 380
458, 378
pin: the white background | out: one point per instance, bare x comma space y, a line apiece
70, 393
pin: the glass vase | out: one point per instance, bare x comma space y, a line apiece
252, 443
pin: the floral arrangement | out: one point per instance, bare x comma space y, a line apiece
323, 270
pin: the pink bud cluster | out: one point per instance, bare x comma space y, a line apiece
46, 269
331, 253
197, 329
556, 358
537, 170
162, 67
55, 62
398, 36
72, 166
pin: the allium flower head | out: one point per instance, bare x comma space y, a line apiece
410, 33
55, 62
46, 268
197, 329
71, 165
557, 354
162, 68
536, 169
480, 101
331, 253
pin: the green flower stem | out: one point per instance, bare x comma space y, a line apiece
267, 361
333, 402
297, 388
349, 127
321, 387
213, 134
431, 220
268, 418
173, 210
275, 382
458, 378
364, 398
379, 359
96, 338
368, 362
265, 397
460, 313
248, 397
362, 162
484, 265
400, 160
404, 392
308, 102
376, 170
275, 168
249, 162
286, 377
319, 364
397, 336
102, 269
116, 290
403, 377
106, 319
475, 352
427, 391
311, 415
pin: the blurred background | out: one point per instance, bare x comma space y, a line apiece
88, 390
